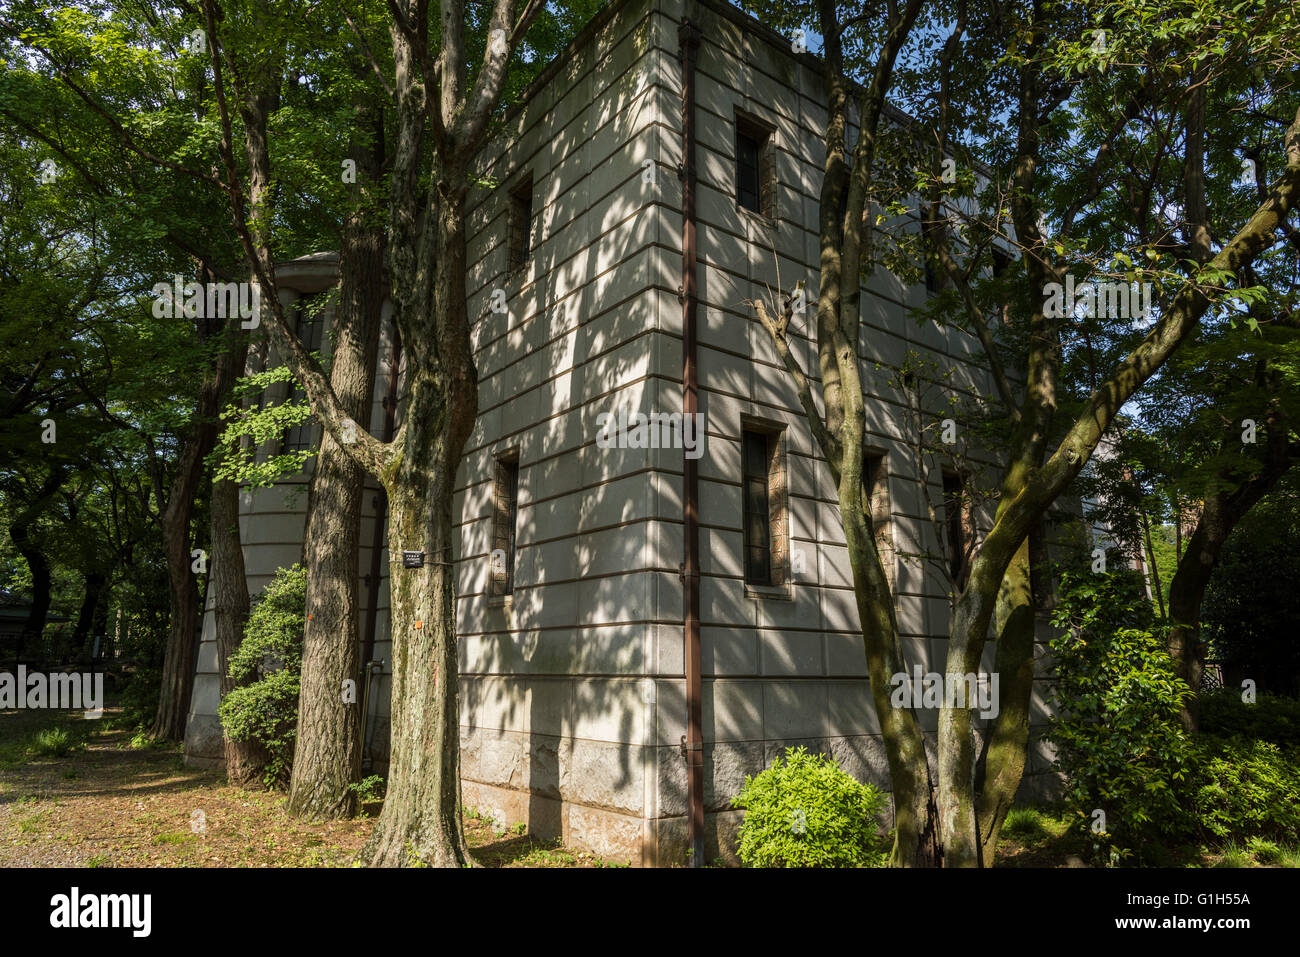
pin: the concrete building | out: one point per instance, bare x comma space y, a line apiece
572, 641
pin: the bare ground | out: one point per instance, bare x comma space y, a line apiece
105, 803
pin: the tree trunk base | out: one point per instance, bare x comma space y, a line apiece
416, 842
322, 804
246, 764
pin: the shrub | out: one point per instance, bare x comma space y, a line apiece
368, 789
1119, 742
1266, 852
1024, 824
55, 742
1271, 718
1247, 789
266, 668
807, 812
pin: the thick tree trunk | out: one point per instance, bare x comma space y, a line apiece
421, 819
327, 756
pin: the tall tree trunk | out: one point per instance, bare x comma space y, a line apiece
915, 834
20, 532
228, 583
839, 432
1002, 763
231, 603
1186, 591
327, 756
421, 817
183, 599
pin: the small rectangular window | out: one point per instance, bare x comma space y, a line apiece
521, 223
755, 168
764, 499
505, 513
758, 513
956, 512
932, 284
309, 325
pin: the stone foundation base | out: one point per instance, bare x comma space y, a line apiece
616, 837
204, 744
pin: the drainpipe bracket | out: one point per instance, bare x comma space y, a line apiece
692, 750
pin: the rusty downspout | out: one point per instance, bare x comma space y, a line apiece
688, 36
377, 543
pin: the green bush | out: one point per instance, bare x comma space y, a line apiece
1119, 742
1266, 852
369, 789
266, 669
1271, 718
56, 742
1024, 824
807, 812
1247, 789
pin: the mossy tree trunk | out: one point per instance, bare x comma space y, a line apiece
327, 756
